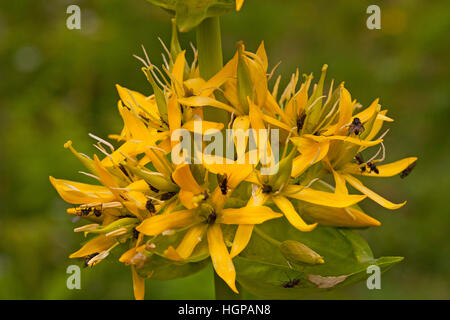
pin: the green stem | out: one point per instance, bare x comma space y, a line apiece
210, 61
223, 292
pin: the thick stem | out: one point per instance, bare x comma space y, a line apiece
223, 292
210, 60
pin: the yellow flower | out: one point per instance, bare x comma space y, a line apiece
207, 218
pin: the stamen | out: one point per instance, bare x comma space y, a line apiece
100, 140
273, 70
89, 175
113, 204
165, 48
104, 152
117, 232
88, 227
315, 101
382, 136
141, 60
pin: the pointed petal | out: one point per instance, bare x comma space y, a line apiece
200, 101
235, 171
241, 239
220, 257
247, 215
372, 195
79, 193
202, 126
339, 217
190, 240
155, 225
321, 197
96, 245
291, 215
184, 178
385, 170
239, 4
357, 141
138, 284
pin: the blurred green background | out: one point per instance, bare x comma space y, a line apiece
58, 84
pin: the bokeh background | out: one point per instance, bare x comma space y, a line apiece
58, 84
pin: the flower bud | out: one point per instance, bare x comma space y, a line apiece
157, 181
244, 80
298, 253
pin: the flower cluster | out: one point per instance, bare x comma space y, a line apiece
152, 208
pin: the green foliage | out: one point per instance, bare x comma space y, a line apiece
263, 270
190, 13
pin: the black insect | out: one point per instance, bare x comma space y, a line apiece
88, 258
97, 212
291, 283
223, 184
85, 211
372, 167
205, 195
267, 188
212, 217
359, 160
300, 122
356, 127
150, 206
408, 170
167, 195
135, 233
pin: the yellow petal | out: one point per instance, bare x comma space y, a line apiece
372, 195
311, 153
96, 245
138, 285
80, 193
276, 123
247, 215
221, 77
385, 170
200, 101
291, 215
239, 4
220, 257
134, 99
190, 240
184, 178
241, 239
345, 108
105, 177
357, 141
178, 71
321, 197
173, 113
156, 225
186, 198
235, 171
202, 126
339, 217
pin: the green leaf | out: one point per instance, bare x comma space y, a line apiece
190, 13
164, 269
262, 269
